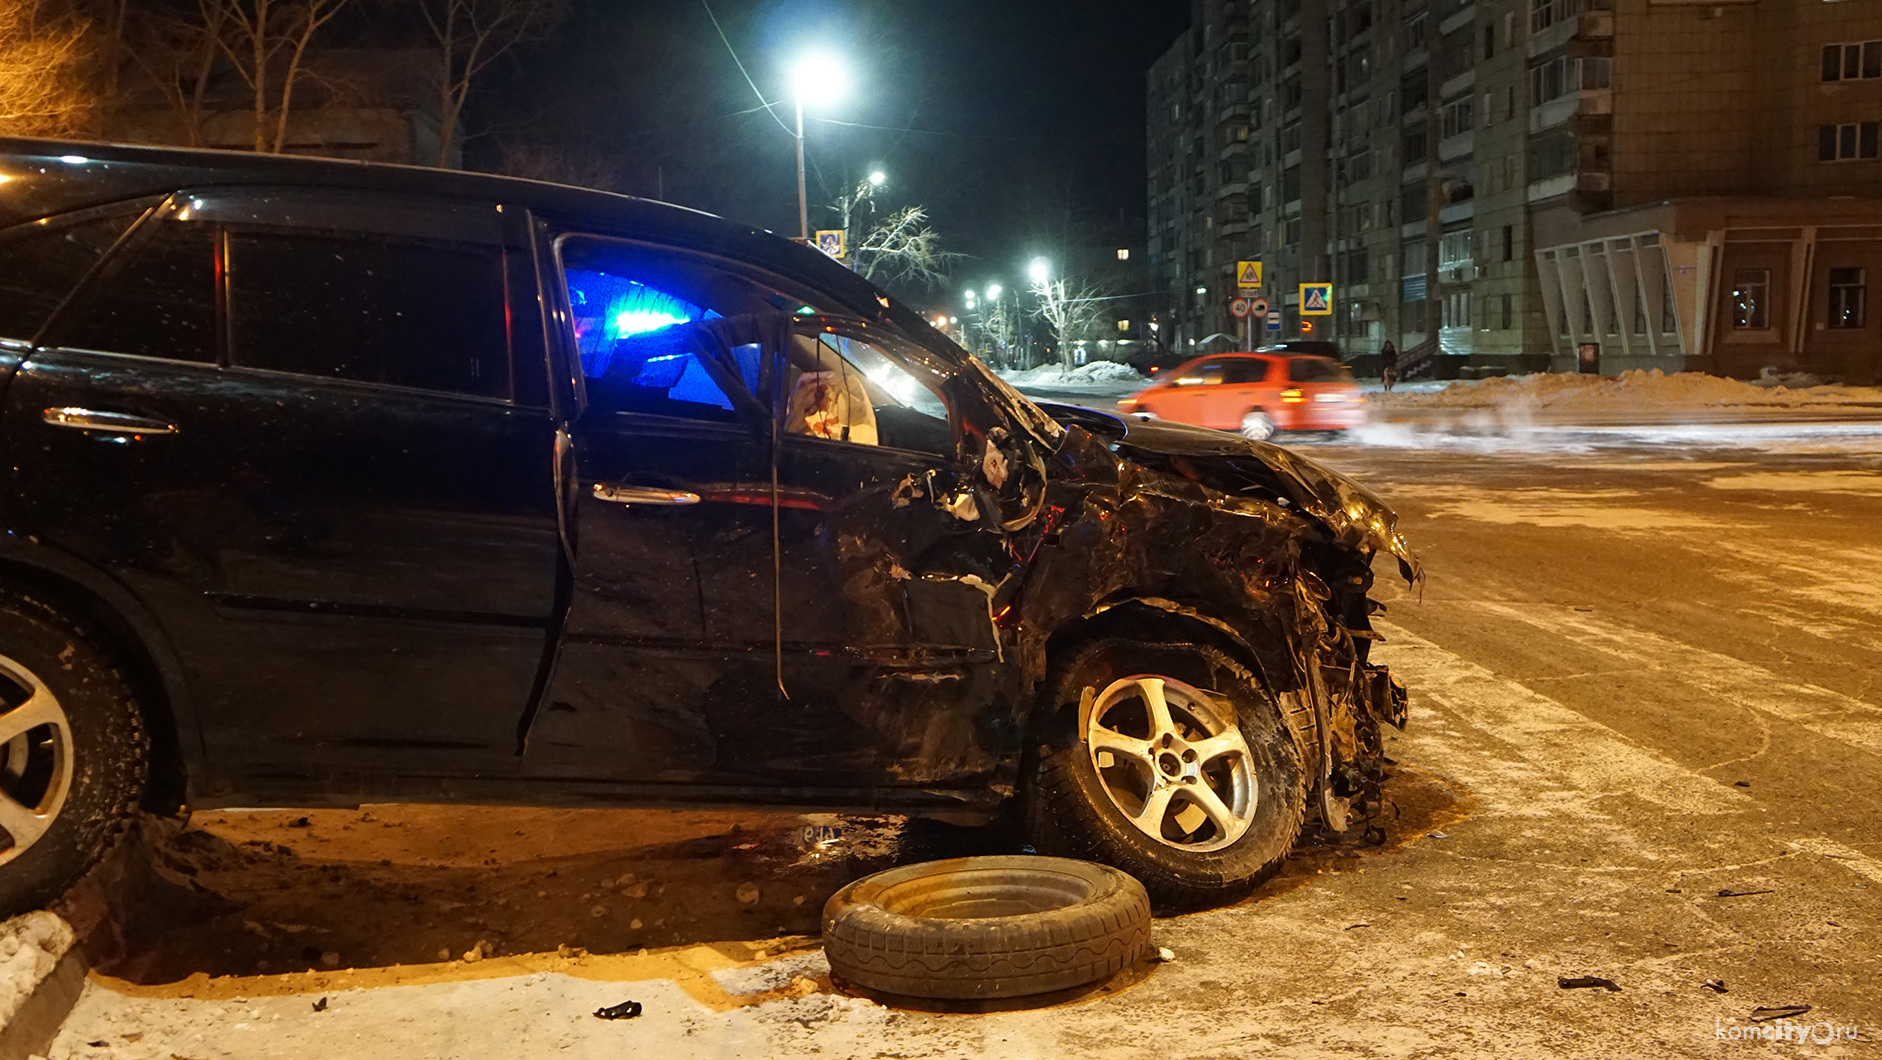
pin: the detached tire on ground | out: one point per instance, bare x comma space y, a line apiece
72, 753
987, 927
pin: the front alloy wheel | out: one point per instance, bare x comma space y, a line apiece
1172, 762
1169, 761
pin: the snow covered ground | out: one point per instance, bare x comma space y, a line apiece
1635, 392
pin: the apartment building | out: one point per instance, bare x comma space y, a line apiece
1567, 184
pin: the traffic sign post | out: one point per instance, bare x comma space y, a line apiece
1316, 299
1240, 307
831, 242
1248, 275
1258, 308
1274, 322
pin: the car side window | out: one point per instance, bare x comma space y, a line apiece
1246, 370
40, 263
407, 312
1208, 373
160, 302
848, 390
634, 316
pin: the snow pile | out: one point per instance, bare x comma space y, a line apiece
1633, 391
1097, 373
30, 947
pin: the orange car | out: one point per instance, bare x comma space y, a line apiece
1256, 394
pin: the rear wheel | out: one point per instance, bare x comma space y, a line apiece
1171, 763
72, 754
1257, 426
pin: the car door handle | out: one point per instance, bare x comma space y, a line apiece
113, 422
643, 495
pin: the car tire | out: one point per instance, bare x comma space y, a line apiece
1106, 757
1257, 426
73, 753
986, 927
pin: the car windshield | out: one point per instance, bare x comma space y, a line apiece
1318, 370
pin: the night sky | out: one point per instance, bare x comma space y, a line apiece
1019, 124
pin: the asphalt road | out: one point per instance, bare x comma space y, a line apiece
1645, 746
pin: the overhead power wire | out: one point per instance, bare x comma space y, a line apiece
733, 52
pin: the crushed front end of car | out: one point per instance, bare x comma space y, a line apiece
1269, 552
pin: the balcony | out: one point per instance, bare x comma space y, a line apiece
1592, 102
1457, 211
1457, 146
1551, 187
1232, 189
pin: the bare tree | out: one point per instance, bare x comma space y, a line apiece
42, 66
902, 248
266, 41
472, 34
177, 54
1070, 312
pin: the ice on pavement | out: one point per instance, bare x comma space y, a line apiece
1634, 391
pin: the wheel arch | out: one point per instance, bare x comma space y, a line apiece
1159, 619
131, 635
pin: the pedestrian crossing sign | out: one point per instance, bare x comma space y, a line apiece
1316, 299
1248, 274
830, 241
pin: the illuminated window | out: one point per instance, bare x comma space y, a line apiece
1849, 290
1751, 299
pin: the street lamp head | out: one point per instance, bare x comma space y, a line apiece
993, 292
818, 79
1040, 270
878, 178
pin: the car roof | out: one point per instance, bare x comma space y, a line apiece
48, 177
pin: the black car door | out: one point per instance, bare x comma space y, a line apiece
674, 666
311, 433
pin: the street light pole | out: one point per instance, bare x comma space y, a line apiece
803, 204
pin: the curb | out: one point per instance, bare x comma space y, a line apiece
44, 975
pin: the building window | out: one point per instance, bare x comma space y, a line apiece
1454, 250
1412, 148
1460, 117
1509, 312
1595, 71
1849, 289
1751, 299
1546, 13
1850, 62
1548, 80
1509, 242
1457, 310
1415, 32
1290, 137
1291, 232
1290, 184
1848, 142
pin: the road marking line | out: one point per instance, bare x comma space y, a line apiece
1595, 759
1820, 710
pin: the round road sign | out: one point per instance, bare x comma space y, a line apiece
1239, 308
1258, 308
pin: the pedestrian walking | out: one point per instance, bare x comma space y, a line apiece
1388, 364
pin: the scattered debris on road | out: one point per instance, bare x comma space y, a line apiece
1578, 982
1727, 892
626, 1010
321, 1005
1165, 955
1717, 986
1777, 1012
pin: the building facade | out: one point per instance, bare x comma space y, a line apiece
1593, 184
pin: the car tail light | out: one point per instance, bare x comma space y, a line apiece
1293, 395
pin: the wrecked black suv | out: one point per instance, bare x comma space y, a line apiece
331, 483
